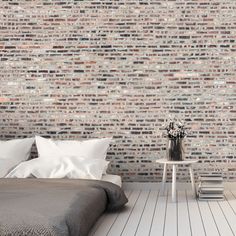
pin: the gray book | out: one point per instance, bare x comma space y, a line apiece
210, 196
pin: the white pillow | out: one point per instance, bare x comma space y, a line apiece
93, 148
89, 149
13, 152
69, 167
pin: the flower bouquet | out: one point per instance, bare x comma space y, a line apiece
175, 132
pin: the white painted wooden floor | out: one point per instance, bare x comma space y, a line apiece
149, 213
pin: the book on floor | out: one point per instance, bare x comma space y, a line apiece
211, 186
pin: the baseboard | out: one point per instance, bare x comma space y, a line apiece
157, 185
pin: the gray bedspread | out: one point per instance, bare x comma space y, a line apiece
59, 207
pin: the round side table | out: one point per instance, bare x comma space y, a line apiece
188, 163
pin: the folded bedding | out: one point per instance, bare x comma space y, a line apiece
55, 207
60, 167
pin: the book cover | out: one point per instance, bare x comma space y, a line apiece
211, 185
210, 196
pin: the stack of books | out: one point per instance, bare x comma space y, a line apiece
211, 187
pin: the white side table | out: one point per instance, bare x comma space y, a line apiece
188, 163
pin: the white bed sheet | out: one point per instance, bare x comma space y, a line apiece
115, 179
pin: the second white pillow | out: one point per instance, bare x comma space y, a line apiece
91, 149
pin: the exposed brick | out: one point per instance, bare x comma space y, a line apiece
83, 69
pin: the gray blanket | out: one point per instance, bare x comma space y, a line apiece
59, 207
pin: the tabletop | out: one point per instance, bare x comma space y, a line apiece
184, 162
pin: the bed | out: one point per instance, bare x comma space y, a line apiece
56, 207
62, 192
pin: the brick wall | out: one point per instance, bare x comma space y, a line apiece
83, 69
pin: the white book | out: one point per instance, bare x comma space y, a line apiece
210, 191
211, 188
211, 179
211, 185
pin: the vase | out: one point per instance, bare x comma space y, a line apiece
175, 149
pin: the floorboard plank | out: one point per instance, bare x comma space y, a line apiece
183, 215
231, 200
146, 220
220, 219
121, 220
133, 221
171, 226
229, 215
208, 219
158, 222
196, 224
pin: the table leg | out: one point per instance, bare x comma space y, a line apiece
192, 181
174, 184
163, 179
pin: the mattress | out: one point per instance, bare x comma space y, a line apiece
115, 179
